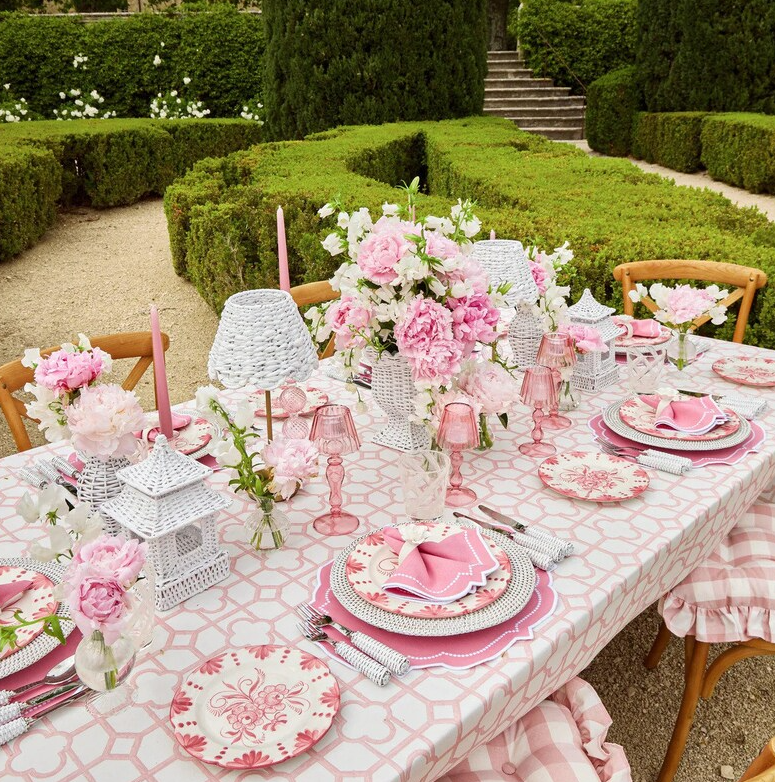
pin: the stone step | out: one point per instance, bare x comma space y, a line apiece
542, 101
575, 112
508, 74
515, 96
556, 134
506, 54
498, 86
570, 123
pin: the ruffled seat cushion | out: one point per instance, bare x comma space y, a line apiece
560, 740
731, 596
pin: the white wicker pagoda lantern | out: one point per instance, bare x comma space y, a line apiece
166, 503
595, 371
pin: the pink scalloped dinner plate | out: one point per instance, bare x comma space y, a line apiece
640, 342
38, 600
640, 417
254, 707
315, 399
373, 562
751, 371
593, 476
189, 439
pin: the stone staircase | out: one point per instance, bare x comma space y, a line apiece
535, 105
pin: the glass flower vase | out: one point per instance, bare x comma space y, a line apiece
267, 526
104, 667
485, 434
681, 350
567, 396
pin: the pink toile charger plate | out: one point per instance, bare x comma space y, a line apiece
451, 651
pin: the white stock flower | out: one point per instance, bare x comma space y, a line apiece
326, 210
333, 244
60, 542
31, 358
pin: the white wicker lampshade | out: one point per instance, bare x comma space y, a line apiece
261, 341
505, 260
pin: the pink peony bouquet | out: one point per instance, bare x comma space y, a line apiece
103, 421
59, 379
97, 583
682, 304
408, 286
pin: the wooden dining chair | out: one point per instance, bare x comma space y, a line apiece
316, 293
746, 280
14, 376
763, 768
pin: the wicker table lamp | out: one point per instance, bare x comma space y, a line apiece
261, 341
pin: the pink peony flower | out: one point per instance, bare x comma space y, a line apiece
97, 603
491, 386
114, 557
424, 323
439, 364
62, 372
475, 319
540, 275
585, 338
472, 273
292, 461
345, 317
381, 251
686, 303
103, 421
439, 246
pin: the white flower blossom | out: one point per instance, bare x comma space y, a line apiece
326, 210
31, 358
333, 244
186, 80
389, 210
157, 61
60, 543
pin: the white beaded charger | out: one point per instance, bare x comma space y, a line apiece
516, 596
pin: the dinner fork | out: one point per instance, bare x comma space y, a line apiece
10, 730
16, 709
371, 669
393, 660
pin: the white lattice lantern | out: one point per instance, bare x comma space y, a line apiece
166, 503
594, 371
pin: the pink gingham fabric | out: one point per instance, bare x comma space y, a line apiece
562, 739
731, 596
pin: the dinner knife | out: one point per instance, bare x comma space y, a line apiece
502, 518
11, 730
15, 709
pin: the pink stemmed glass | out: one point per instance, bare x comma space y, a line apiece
292, 400
557, 353
539, 391
458, 431
333, 432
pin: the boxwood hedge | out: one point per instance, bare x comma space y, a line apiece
222, 224
99, 162
670, 139
612, 103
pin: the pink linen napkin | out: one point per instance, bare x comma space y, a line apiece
638, 328
10, 593
436, 564
179, 421
692, 416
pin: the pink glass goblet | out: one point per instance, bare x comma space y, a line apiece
292, 400
557, 353
458, 431
539, 391
333, 432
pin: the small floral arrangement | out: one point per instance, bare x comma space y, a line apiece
104, 420
262, 470
59, 379
682, 304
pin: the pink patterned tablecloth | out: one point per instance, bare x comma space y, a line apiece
414, 730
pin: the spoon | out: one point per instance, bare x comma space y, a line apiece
61, 673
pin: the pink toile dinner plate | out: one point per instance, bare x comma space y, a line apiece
747, 371
37, 601
315, 399
593, 476
640, 417
372, 563
623, 342
254, 707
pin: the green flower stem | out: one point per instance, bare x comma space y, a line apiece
111, 675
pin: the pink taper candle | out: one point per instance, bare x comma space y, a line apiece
282, 251
160, 376
492, 234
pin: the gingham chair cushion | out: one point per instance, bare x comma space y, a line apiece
560, 740
731, 596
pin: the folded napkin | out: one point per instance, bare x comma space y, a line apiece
436, 564
665, 462
10, 593
746, 406
697, 415
179, 421
638, 328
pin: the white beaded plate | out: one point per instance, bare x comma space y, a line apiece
509, 604
39, 647
615, 423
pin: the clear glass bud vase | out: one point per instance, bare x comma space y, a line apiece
267, 526
567, 396
681, 350
104, 667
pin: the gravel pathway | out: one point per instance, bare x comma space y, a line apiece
98, 272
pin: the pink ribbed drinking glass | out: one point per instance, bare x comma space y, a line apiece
557, 353
333, 432
539, 391
458, 431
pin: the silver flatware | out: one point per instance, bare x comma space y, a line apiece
61, 673
371, 669
36, 480
65, 467
12, 711
52, 475
502, 518
393, 660
11, 730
